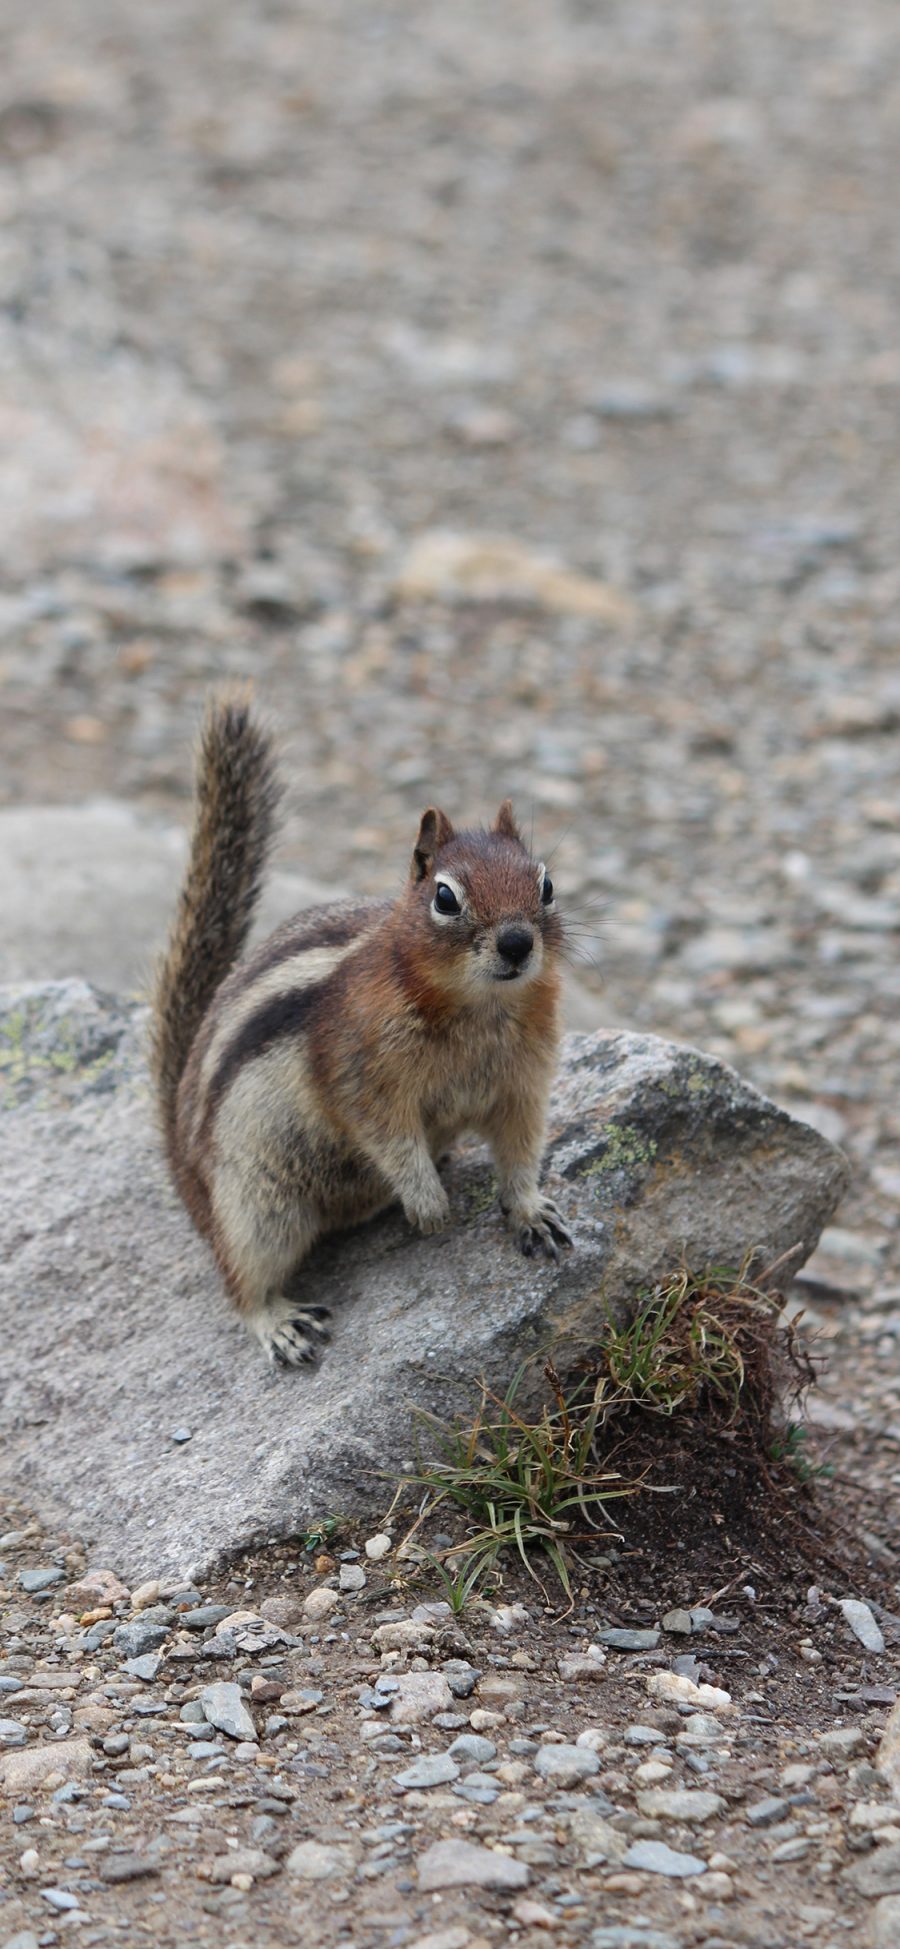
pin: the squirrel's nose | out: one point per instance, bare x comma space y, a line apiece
515, 944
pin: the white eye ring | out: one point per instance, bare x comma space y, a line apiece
452, 887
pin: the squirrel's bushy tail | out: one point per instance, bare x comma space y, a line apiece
237, 796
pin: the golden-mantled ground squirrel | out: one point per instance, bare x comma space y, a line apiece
318, 1080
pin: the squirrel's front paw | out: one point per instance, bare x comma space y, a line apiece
429, 1210
543, 1228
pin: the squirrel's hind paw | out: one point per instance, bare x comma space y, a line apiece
544, 1230
295, 1337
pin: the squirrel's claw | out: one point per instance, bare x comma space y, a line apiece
544, 1229
295, 1341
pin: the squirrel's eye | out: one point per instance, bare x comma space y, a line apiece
445, 900
547, 890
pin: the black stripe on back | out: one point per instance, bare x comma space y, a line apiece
280, 1016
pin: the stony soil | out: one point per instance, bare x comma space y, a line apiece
284, 291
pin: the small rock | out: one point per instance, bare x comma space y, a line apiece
630, 1640
793, 1850
402, 1636
462, 1864
679, 1622
251, 1861
461, 1678
146, 1668
429, 1770
60, 1899
283, 1611
127, 1867
320, 1603
352, 1577
224, 1708
13, 1733
578, 1666
314, 1861
133, 1640
145, 1595
564, 1765
97, 1587
680, 1803
472, 1746
418, 1696
377, 1547
767, 1813
655, 1858
508, 1617
36, 1580
533, 1915
643, 1736
877, 1873
673, 1687
843, 1740
479, 1788
862, 1624
593, 1838
205, 1617
66, 1759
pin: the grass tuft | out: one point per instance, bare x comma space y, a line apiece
538, 1483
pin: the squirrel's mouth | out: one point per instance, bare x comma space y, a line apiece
510, 974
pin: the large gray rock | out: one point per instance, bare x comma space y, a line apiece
107, 879
115, 1332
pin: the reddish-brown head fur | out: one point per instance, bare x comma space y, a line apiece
477, 923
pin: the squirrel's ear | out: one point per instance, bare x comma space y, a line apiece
505, 821
434, 831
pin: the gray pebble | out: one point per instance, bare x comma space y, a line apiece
461, 1678
22, 1813
479, 1788
59, 1898
12, 1732
118, 1803
224, 1708
472, 1746
430, 1770
37, 1580
565, 1765
630, 1640
655, 1858
678, 1621
351, 1577
133, 1640
10, 1684
192, 1714
205, 1617
643, 1736
766, 1813
862, 1624
98, 1634
145, 1669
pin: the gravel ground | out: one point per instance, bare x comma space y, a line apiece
300, 311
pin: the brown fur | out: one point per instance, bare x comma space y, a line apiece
321, 1078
